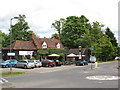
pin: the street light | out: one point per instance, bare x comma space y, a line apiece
11, 40
91, 48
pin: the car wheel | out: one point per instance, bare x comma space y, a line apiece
32, 67
15, 66
6, 66
25, 67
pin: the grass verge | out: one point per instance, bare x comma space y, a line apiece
13, 73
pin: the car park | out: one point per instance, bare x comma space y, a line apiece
37, 63
9, 62
48, 63
25, 64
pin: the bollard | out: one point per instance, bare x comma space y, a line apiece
96, 64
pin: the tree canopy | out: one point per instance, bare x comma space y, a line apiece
19, 32
78, 30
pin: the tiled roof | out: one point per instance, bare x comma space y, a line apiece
22, 45
35, 43
76, 51
51, 43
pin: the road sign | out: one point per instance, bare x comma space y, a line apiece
11, 54
92, 58
91, 48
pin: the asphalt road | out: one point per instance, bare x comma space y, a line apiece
70, 77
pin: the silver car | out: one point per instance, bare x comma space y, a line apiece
25, 64
37, 63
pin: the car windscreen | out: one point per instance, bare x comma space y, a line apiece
7, 61
38, 61
51, 60
30, 61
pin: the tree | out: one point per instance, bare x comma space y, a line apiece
58, 25
110, 35
54, 36
4, 39
74, 30
19, 31
21, 27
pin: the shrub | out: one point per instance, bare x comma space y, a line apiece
25, 58
32, 58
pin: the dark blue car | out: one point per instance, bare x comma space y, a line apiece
78, 63
7, 63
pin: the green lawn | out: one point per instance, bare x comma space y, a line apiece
13, 73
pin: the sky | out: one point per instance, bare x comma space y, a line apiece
40, 14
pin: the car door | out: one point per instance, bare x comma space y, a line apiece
18, 64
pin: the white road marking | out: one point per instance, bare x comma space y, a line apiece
103, 77
2, 80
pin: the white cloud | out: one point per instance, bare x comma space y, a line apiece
42, 13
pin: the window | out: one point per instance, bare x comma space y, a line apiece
44, 45
58, 45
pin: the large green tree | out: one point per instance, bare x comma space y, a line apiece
19, 31
74, 30
59, 24
78, 30
110, 35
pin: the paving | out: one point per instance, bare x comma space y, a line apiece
70, 76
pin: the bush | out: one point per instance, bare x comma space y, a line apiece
25, 58
32, 58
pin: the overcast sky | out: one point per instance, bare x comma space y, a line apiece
42, 13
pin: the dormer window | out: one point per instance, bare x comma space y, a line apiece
44, 45
58, 46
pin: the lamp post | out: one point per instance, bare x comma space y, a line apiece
91, 55
80, 52
11, 41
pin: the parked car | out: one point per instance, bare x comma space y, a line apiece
8, 62
67, 63
48, 63
117, 58
57, 62
85, 62
1, 60
78, 63
37, 63
25, 64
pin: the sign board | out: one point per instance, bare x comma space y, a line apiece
11, 54
79, 56
25, 52
91, 48
92, 58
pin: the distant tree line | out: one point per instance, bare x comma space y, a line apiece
75, 30
72, 31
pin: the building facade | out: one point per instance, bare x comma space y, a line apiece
29, 48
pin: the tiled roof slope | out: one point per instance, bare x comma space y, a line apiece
35, 43
51, 43
76, 51
22, 45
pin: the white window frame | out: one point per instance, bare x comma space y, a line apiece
44, 45
58, 46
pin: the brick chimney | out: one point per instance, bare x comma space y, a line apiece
58, 36
31, 36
